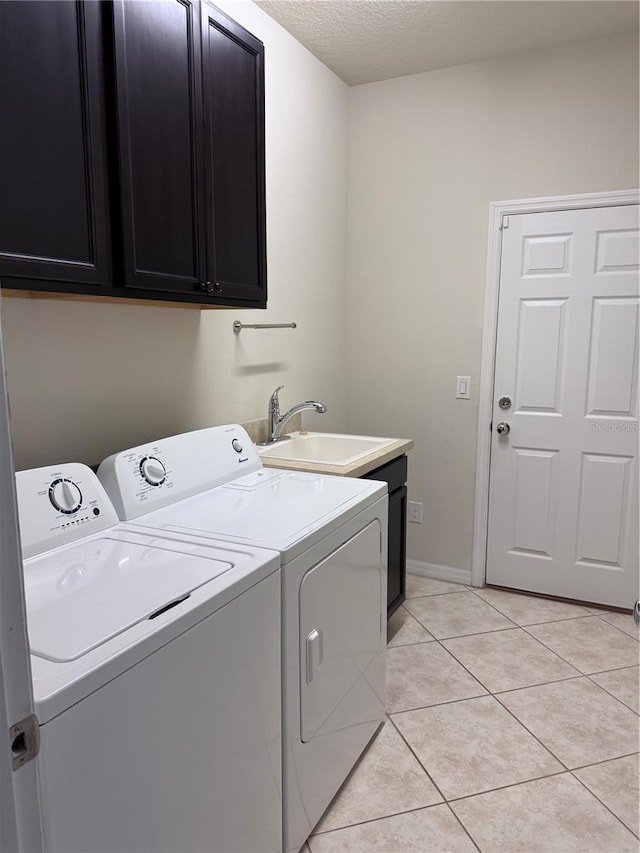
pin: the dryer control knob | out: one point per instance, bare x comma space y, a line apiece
153, 471
65, 496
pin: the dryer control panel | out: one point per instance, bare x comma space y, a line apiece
60, 504
157, 474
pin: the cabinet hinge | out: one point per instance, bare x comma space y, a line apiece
24, 741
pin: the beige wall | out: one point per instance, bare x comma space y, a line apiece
89, 379
427, 155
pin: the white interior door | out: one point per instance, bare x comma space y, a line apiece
19, 805
563, 494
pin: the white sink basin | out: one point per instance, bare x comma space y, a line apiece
325, 447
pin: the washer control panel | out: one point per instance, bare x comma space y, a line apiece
59, 505
154, 475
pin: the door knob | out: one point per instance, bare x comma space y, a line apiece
503, 428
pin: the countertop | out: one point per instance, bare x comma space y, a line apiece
357, 468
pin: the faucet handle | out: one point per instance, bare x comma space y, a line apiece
274, 396
274, 402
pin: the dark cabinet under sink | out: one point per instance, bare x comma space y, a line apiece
394, 474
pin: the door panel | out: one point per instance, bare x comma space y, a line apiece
157, 64
603, 493
20, 821
341, 605
613, 364
54, 222
233, 85
539, 374
563, 497
534, 491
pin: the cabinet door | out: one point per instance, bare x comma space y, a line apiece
54, 224
233, 85
159, 117
397, 557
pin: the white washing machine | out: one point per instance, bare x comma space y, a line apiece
331, 533
156, 678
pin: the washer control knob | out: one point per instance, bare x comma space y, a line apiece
153, 471
236, 445
65, 496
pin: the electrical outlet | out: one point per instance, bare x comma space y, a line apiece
415, 512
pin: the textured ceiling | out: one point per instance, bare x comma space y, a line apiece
368, 40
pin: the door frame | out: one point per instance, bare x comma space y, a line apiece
20, 815
498, 210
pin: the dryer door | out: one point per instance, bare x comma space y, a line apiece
341, 604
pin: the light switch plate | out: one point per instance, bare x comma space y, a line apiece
463, 388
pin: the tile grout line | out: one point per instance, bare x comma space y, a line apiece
584, 674
395, 814
579, 674
454, 800
542, 622
553, 755
519, 722
593, 794
613, 696
415, 755
604, 761
527, 729
468, 832
376, 819
437, 704
611, 625
564, 771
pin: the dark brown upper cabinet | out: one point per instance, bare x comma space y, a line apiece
189, 86
159, 137
233, 88
54, 219
132, 152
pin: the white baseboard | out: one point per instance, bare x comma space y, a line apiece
441, 573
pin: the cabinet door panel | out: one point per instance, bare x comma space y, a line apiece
54, 223
233, 85
397, 559
157, 62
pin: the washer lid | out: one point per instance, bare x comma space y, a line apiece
81, 597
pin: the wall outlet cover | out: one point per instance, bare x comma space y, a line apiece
415, 512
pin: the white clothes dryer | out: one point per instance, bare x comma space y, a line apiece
331, 533
156, 678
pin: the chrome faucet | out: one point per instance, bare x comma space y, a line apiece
278, 421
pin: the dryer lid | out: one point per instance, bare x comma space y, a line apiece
81, 597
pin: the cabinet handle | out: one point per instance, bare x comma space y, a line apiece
208, 287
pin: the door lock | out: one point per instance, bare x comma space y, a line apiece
503, 428
504, 402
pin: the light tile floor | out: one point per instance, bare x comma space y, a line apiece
513, 727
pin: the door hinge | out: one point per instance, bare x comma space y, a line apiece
505, 223
24, 741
